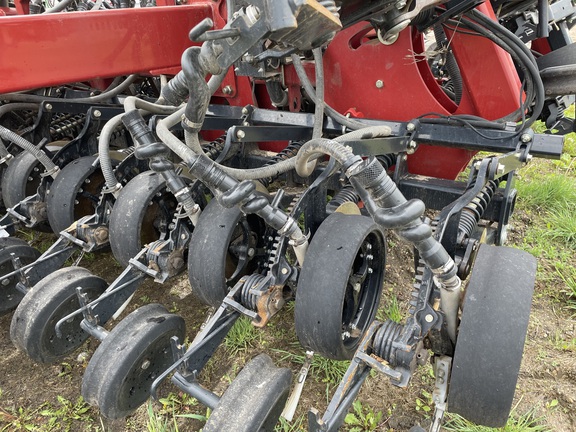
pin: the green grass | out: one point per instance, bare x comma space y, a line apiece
552, 192
242, 336
527, 422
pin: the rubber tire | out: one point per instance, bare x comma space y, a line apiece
208, 251
61, 203
323, 285
15, 182
254, 400
491, 336
10, 297
131, 221
52, 298
109, 377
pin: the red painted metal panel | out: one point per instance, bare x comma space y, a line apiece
390, 82
46, 50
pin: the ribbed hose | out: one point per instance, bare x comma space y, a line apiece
451, 64
5, 109
26, 145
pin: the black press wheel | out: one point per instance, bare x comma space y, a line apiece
225, 245
74, 193
121, 372
33, 327
141, 215
21, 178
491, 336
340, 285
9, 295
254, 400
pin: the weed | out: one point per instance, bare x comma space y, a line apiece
527, 422
363, 419
392, 309
552, 192
296, 425
242, 336
321, 369
562, 226
424, 404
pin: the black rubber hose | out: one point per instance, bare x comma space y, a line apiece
22, 97
451, 64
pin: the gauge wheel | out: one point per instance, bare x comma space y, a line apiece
254, 400
121, 372
21, 178
340, 285
10, 297
225, 245
491, 335
74, 193
141, 214
33, 327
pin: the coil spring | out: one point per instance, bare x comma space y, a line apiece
66, 125
331, 6
346, 194
247, 298
384, 338
214, 148
290, 151
472, 212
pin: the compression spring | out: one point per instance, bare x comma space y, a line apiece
247, 298
473, 211
384, 339
346, 194
213, 149
66, 125
290, 151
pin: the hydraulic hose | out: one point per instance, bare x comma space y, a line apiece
104, 154
21, 97
309, 89
451, 64
51, 168
390, 209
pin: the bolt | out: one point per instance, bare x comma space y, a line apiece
369, 257
411, 147
410, 127
251, 252
369, 246
227, 90
477, 165
345, 335
529, 158
525, 138
357, 287
369, 270
284, 270
400, 4
244, 111
240, 134
48, 107
87, 181
429, 318
379, 84
97, 114
183, 236
6, 282
145, 364
500, 169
